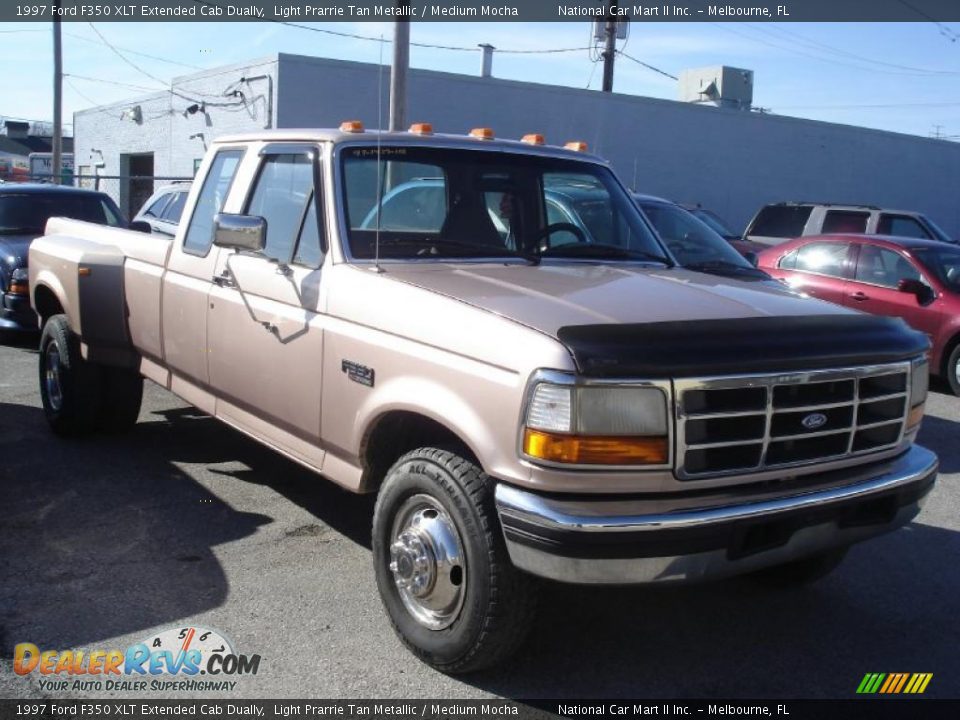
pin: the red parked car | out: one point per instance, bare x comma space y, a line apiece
917, 280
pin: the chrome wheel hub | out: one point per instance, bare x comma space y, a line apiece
427, 562
52, 377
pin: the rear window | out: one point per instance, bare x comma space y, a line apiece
28, 213
845, 221
785, 221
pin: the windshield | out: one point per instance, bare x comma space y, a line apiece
692, 242
938, 231
441, 203
943, 263
25, 213
714, 222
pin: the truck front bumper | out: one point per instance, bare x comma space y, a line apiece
597, 540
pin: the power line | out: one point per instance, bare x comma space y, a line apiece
124, 57
647, 66
820, 58
131, 52
829, 48
944, 30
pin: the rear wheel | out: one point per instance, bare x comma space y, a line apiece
441, 564
70, 387
953, 370
801, 572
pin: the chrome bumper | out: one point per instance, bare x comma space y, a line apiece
599, 541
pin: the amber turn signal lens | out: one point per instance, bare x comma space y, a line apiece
482, 133
19, 288
533, 139
596, 450
915, 416
351, 126
577, 145
421, 128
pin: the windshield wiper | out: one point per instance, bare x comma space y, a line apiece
476, 250
725, 267
600, 251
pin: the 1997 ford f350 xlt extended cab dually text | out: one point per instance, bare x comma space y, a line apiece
526, 401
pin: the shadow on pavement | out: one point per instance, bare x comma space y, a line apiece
891, 606
211, 442
941, 434
105, 536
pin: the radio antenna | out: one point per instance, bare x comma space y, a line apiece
376, 251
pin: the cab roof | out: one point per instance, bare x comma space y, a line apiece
386, 137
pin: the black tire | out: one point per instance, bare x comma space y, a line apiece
122, 397
498, 601
801, 572
951, 370
71, 396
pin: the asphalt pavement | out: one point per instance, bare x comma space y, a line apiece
182, 522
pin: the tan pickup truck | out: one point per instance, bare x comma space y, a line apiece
489, 335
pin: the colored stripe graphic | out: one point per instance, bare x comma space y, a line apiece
894, 683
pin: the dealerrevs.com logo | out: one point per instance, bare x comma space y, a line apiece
173, 659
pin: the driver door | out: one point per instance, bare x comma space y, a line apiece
265, 326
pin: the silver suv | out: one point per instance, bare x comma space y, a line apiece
779, 222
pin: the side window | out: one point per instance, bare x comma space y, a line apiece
156, 207
213, 194
822, 258
788, 261
786, 221
174, 210
280, 197
879, 266
901, 226
845, 221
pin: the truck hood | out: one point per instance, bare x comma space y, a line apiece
547, 297
638, 321
14, 248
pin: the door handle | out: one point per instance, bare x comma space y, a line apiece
225, 280
859, 296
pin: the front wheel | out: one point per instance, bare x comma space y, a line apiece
70, 387
441, 564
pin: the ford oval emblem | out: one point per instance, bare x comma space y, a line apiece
814, 420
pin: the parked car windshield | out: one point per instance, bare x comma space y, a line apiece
943, 263
692, 242
28, 212
441, 203
715, 223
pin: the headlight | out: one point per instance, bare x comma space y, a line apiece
19, 282
596, 425
919, 384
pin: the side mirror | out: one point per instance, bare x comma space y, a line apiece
240, 232
752, 258
141, 226
923, 292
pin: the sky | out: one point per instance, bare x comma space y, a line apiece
903, 77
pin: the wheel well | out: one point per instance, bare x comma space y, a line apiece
46, 303
943, 370
399, 432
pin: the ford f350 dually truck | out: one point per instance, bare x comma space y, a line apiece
526, 401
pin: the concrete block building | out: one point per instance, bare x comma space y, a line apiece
730, 160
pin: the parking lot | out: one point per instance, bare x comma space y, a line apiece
184, 522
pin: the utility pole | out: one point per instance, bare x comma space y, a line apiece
398, 71
610, 46
57, 98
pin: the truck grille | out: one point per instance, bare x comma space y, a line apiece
734, 425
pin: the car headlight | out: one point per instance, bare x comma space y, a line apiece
919, 385
20, 282
596, 425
